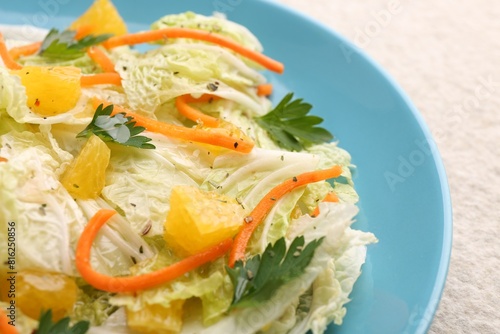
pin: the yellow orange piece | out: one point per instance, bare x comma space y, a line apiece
156, 318
101, 17
38, 290
85, 177
51, 90
200, 219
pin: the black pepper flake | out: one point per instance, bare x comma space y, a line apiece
27, 72
41, 209
282, 158
133, 260
273, 198
294, 179
141, 250
235, 144
212, 87
133, 204
76, 186
124, 68
176, 72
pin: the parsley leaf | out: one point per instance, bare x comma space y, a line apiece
63, 45
290, 126
46, 326
259, 278
117, 128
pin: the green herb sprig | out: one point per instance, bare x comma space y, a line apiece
290, 126
257, 279
117, 128
46, 326
63, 45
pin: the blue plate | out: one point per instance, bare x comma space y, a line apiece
400, 177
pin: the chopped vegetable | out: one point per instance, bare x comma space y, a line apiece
141, 282
5, 327
25, 50
260, 211
194, 114
64, 45
9, 62
117, 128
330, 197
101, 79
102, 59
257, 279
46, 326
217, 137
200, 219
290, 126
265, 89
207, 36
51, 90
86, 175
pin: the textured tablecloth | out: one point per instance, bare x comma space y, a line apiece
446, 56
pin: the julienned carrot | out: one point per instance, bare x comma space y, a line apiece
141, 282
2, 159
265, 89
101, 79
83, 31
25, 50
216, 137
202, 35
6, 57
5, 328
261, 210
330, 197
102, 59
194, 114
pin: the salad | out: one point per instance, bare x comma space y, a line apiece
159, 190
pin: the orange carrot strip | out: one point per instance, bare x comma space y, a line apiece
101, 79
25, 50
191, 134
6, 57
5, 328
265, 89
194, 114
83, 31
2, 159
140, 282
205, 98
102, 59
207, 36
330, 197
261, 210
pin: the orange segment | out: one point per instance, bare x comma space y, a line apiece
85, 177
51, 90
40, 290
200, 219
103, 18
155, 318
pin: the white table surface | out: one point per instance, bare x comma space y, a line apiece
446, 56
